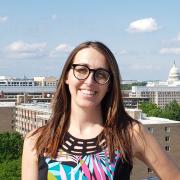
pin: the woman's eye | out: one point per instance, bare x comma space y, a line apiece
101, 75
82, 70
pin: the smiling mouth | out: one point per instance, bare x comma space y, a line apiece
88, 92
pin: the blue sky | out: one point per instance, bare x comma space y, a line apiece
36, 36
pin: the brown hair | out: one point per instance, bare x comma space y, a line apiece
117, 122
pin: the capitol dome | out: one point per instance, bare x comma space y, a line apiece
174, 74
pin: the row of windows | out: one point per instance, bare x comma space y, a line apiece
19, 85
35, 95
166, 129
20, 82
168, 98
169, 95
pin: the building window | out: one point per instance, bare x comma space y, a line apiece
167, 148
151, 129
167, 129
150, 170
167, 138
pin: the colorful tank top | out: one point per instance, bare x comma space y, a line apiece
83, 159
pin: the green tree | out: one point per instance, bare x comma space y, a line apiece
11, 170
172, 111
10, 146
126, 86
129, 86
150, 109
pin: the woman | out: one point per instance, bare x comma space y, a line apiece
90, 135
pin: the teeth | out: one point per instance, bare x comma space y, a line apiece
88, 92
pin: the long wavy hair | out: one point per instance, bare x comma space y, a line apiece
117, 123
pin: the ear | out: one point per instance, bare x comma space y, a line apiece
67, 79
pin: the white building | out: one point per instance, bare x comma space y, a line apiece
36, 81
9, 81
162, 92
30, 116
27, 90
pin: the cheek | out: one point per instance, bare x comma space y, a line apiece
105, 90
72, 83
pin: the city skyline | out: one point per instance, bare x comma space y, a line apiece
37, 36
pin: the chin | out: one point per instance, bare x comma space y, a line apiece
88, 104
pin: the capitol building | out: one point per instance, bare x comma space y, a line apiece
161, 92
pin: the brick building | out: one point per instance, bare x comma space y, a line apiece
6, 116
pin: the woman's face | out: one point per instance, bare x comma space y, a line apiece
87, 93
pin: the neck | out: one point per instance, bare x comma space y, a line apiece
85, 121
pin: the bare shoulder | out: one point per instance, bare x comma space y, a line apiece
29, 142
30, 157
137, 128
32, 135
139, 136
143, 142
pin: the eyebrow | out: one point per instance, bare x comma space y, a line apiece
85, 64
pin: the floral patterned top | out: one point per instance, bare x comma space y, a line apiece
83, 159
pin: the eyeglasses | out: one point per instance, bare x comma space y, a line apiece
81, 72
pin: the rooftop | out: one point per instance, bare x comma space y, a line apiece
24, 89
7, 104
137, 114
157, 120
40, 107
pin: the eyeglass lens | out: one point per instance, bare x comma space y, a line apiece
82, 72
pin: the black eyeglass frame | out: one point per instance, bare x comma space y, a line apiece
73, 66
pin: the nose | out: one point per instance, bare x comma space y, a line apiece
90, 79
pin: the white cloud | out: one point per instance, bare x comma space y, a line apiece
143, 25
3, 18
61, 48
170, 51
20, 49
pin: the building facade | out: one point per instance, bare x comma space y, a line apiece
130, 101
27, 90
7, 116
27, 116
162, 92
